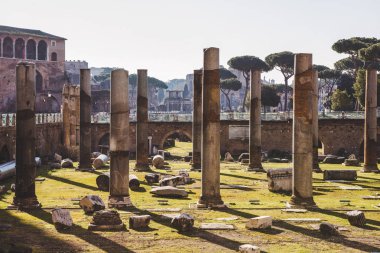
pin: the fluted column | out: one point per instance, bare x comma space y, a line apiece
370, 124
25, 196
142, 148
197, 120
303, 132
210, 196
119, 140
85, 121
255, 123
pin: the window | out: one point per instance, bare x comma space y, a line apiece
42, 50
8, 47
53, 56
31, 50
53, 43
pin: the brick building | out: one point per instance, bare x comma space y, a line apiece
47, 51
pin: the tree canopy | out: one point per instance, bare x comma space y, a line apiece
225, 74
269, 96
152, 82
245, 64
227, 85
320, 68
341, 101
352, 45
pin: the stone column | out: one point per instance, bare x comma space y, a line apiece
316, 167
85, 121
119, 140
66, 116
25, 196
370, 124
210, 196
197, 120
302, 133
142, 148
255, 123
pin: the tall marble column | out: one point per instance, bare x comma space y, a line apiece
142, 148
303, 132
370, 124
255, 123
25, 196
119, 140
85, 121
197, 120
210, 196
316, 167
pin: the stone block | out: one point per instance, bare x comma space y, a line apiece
243, 156
280, 180
186, 176
351, 162
152, 178
172, 181
61, 218
328, 229
187, 159
349, 175
183, 222
249, 248
332, 159
356, 218
261, 222
91, 203
228, 157
67, 163
139, 221
158, 162
106, 217
168, 191
100, 161
217, 226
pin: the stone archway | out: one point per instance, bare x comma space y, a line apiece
42, 50
31, 49
174, 133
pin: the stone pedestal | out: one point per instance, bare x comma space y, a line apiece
210, 196
85, 121
197, 120
370, 124
255, 123
119, 141
25, 196
142, 148
316, 167
302, 196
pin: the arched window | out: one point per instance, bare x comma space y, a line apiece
31, 50
20, 48
42, 50
53, 56
8, 47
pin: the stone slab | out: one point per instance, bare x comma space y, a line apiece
249, 248
227, 218
351, 187
371, 197
168, 191
261, 222
217, 226
291, 210
164, 209
119, 227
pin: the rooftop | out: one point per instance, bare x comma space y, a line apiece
22, 31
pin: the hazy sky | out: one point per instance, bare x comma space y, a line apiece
167, 36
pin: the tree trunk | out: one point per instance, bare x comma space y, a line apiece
246, 76
286, 95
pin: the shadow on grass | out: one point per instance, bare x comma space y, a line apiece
205, 235
243, 177
313, 233
95, 239
30, 235
68, 181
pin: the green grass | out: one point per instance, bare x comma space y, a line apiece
61, 186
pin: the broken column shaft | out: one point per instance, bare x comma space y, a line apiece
210, 196
142, 148
119, 140
25, 196
85, 121
303, 132
255, 123
197, 120
316, 167
370, 124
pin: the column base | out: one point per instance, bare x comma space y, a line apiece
119, 202
142, 167
25, 203
255, 168
215, 202
301, 203
85, 169
367, 168
195, 167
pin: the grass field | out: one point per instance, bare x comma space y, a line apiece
35, 228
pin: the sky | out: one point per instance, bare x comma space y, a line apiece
167, 37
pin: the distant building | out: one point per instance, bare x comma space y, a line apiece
47, 51
73, 68
176, 102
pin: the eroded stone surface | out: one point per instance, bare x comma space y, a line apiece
168, 191
139, 221
91, 203
261, 222
249, 248
217, 226
183, 222
61, 218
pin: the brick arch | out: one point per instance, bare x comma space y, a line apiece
180, 131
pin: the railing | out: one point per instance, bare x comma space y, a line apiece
9, 119
104, 117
